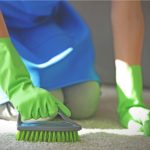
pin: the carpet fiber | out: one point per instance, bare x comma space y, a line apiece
101, 132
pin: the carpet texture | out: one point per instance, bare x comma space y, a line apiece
102, 132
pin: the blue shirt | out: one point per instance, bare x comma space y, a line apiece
53, 41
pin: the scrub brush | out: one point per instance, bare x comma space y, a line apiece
64, 130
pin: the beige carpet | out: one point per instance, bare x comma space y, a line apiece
99, 133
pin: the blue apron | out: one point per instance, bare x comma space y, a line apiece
53, 41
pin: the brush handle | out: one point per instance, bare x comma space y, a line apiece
65, 125
65, 118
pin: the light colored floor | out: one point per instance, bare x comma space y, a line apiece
102, 132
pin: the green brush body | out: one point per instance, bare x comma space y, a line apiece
48, 136
48, 131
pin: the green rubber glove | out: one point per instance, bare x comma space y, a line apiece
31, 102
132, 111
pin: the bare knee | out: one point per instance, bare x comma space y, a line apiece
83, 99
84, 114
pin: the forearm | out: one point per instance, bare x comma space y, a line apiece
128, 31
3, 28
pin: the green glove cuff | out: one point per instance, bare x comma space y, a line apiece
12, 71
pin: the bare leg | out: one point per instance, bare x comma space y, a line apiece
58, 93
82, 99
128, 33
